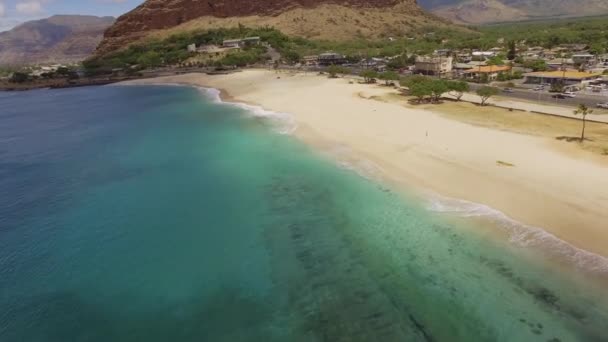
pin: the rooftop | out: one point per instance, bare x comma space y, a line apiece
489, 69
560, 74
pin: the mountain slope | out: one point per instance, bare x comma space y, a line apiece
321, 19
490, 11
58, 39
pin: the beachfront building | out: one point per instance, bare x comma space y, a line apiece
488, 72
560, 77
434, 65
331, 58
311, 60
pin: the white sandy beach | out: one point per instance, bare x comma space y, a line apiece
564, 192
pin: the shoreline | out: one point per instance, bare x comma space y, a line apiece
592, 247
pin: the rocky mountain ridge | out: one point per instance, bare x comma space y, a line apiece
323, 19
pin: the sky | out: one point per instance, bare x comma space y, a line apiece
14, 12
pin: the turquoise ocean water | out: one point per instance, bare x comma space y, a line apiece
157, 214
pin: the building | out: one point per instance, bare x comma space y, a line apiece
239, 43
331, 58
564, 77
559, 63
573, 47
442, 52
434, 65
464, 57
310, 60
488, 72
583, 58
192, 48
232, 43
210, 49
484, 54
249, 41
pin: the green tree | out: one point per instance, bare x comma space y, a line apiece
369, 75
517, 75
388, 77
458, 88
437, 88
412, 80
398, 62
19, 77
496, 60
553, 40
420, 90
502, 77
484, 78
584, 111
512, 53
149, 59
291, 56
536, 65
485, 93
557, 87
597, 49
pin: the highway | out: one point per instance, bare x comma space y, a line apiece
545, 97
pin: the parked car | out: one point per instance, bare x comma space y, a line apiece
508, 90
558, 96
603, 105
538, 88
569, 94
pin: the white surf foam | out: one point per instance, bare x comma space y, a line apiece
346, 159
521, 234
284, 123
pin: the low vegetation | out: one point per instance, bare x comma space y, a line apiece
485, 93
426, 89
174, 50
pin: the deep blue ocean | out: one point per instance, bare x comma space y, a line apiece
157, 214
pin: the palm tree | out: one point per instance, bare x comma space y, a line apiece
583, 110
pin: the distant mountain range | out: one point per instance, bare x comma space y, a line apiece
492, 11
58, 39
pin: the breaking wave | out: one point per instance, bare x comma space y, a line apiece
284, 123
521, 234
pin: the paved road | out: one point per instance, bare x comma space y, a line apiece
545, 97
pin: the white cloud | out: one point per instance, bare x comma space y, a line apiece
2, 10
29, 7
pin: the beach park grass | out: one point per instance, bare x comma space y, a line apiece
548, 126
